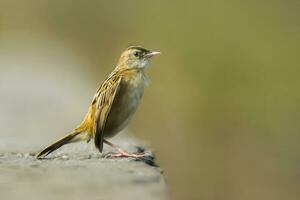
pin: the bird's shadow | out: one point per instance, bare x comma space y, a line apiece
148, 158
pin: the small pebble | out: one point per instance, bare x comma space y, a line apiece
64, 157
32, 154
27, 155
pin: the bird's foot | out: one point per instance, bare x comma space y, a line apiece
123, 154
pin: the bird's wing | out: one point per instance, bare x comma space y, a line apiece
104, 100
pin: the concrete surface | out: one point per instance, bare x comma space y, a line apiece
77, 171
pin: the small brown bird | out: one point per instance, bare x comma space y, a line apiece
114, 103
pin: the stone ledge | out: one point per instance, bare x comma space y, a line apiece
76, 172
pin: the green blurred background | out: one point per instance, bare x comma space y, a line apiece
222, 112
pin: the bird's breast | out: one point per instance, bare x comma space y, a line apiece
124, 106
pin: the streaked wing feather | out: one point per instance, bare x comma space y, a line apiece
105, 97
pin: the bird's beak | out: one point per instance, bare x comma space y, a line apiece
153, 53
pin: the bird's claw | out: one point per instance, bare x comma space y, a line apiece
123, 154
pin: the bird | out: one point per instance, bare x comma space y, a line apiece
113, 105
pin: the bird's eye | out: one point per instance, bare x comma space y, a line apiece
136, 54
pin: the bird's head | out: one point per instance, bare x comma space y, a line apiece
136, 57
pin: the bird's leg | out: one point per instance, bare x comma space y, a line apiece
121, 152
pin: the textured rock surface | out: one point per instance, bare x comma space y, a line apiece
77, 171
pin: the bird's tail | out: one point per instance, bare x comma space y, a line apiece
71, 137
